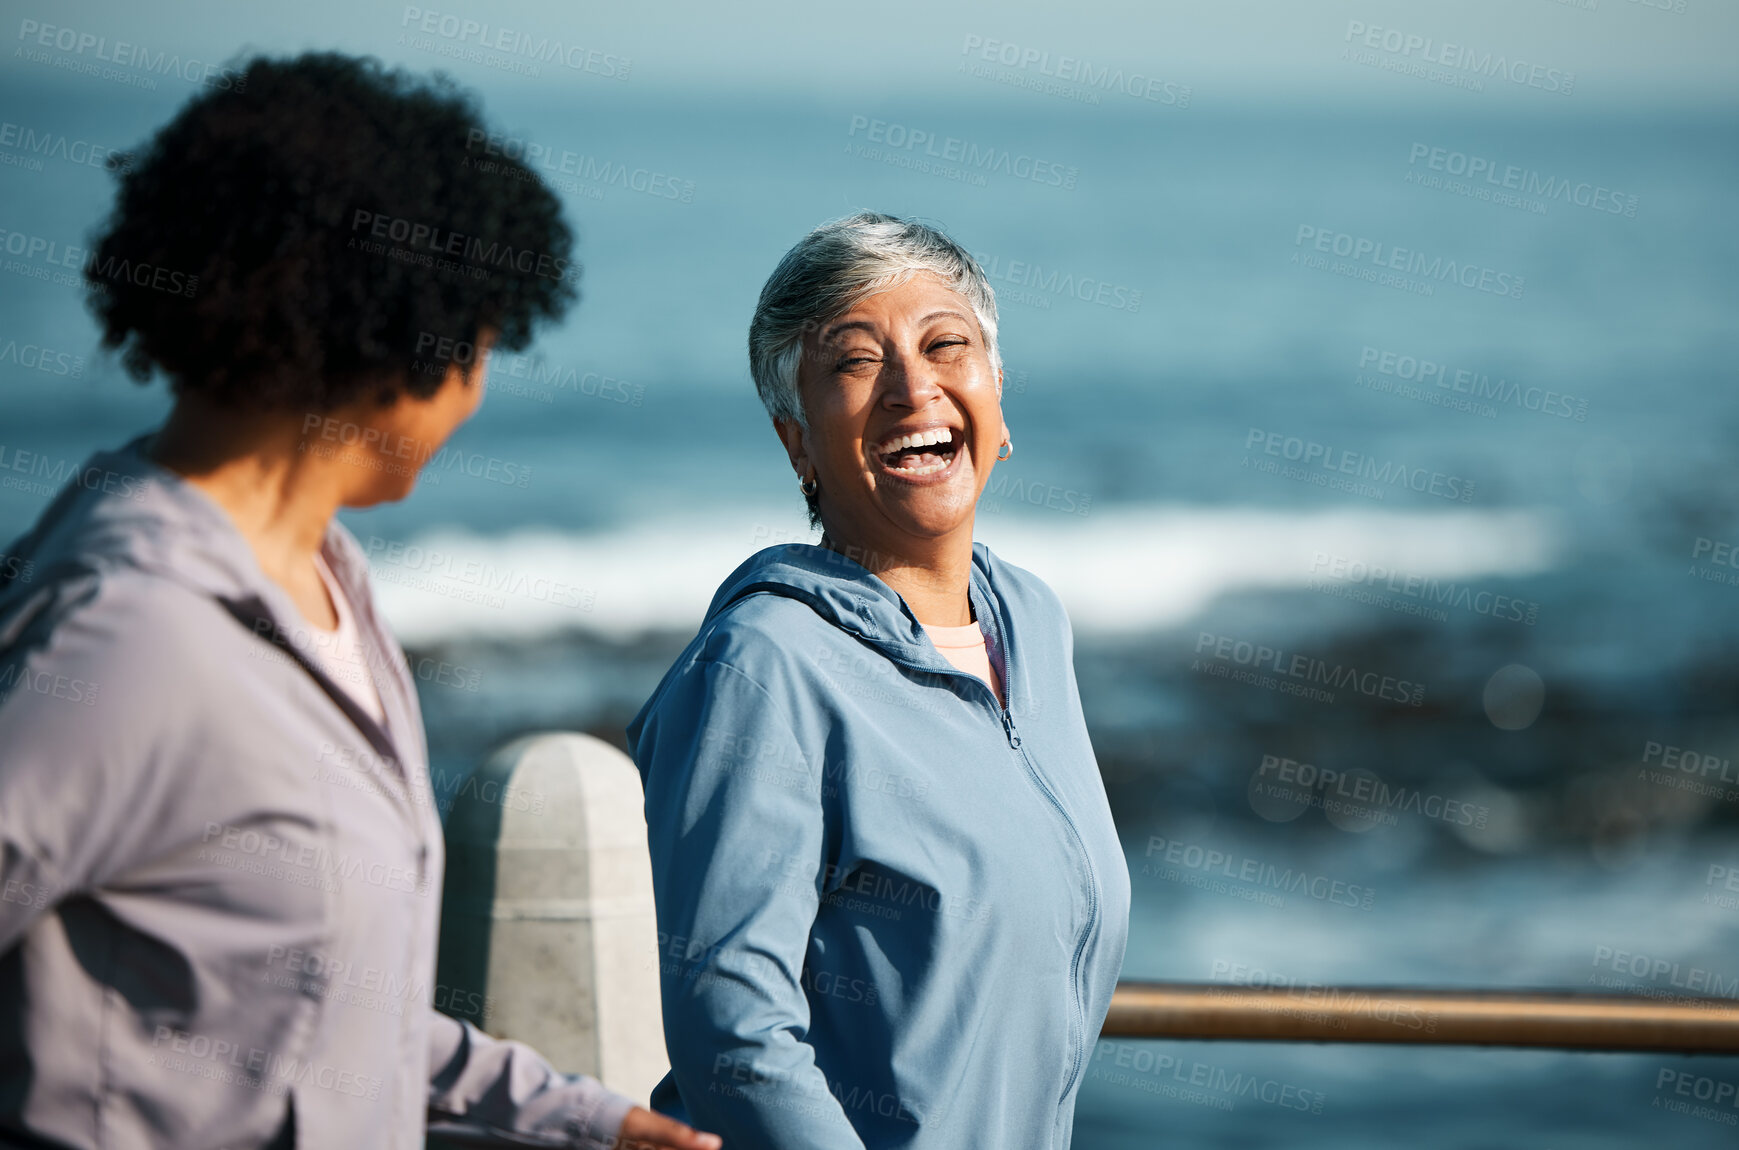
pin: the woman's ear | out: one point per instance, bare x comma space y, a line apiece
791, 435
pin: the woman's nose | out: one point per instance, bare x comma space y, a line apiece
909, 381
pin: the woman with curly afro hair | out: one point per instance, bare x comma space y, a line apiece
221, 856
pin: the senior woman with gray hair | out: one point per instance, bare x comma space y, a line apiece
892, 904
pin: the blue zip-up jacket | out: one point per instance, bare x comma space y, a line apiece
891, 912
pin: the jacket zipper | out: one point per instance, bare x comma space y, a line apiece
1014, 742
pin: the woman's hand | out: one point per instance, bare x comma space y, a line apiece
644, 1130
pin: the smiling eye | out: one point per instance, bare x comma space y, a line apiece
944, 344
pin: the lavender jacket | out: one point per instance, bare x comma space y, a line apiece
220, 880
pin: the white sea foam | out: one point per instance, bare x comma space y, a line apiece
1118, 571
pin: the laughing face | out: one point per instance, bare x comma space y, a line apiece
905, 419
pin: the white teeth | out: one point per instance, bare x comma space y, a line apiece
919, 439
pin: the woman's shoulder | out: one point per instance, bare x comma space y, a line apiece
764, 635
135, 633
760, 649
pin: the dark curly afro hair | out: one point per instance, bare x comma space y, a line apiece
320, 229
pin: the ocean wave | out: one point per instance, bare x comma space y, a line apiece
1120, 570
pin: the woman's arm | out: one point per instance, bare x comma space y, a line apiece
78, 755
729, 794
482, 1087
486, 1092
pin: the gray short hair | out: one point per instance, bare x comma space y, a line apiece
830, 271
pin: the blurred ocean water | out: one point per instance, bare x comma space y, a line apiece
1267, 394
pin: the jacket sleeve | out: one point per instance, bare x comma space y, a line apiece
44, 792
735, 823
76, 789
487, 1092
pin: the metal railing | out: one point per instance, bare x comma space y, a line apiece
1565, 1021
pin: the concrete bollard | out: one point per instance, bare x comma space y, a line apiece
548, 933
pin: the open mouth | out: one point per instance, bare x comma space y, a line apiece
919, 453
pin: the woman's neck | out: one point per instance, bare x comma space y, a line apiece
281, 499
934, 583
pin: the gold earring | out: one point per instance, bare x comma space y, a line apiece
1005, 451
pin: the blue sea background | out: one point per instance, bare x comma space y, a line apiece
650, 472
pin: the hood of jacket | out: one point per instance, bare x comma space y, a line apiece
845, 593
121, 512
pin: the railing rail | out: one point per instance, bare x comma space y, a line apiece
1565, 1021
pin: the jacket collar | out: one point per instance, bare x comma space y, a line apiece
847, 595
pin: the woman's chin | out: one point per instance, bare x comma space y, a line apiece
932, 512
